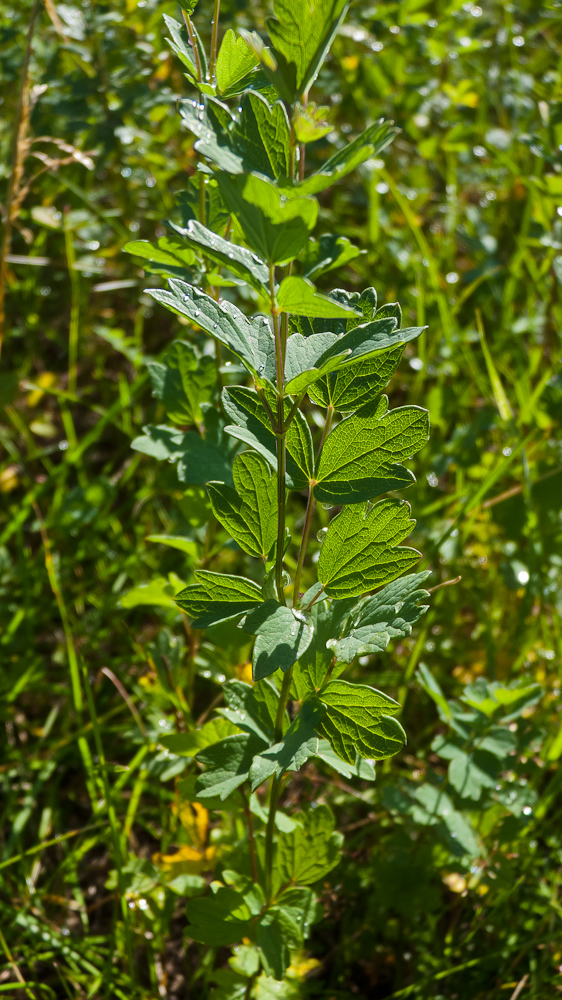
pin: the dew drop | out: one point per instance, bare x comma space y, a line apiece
186, 297
215, 325
196, 312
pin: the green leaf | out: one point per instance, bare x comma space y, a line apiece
249, 511
216, 597
228, 765
357, 383
222, 320
211, 123
308, 852
157, 593
498, 741
358, 720
327, 252
369, 144
299, 296
299, 743
277, 932
310, 123
169, 252
470, 773
229, 984
220, 919
305, 362
180, 542
262, 136
251, 424
251, 707
358, 460
188, 744
362, 768
182, 381
276, 226
301, 32
361, 550
488, 697
282, 636
435, 805
388, 615
234, 62
179, 42
310, 357
198, 460
239, 260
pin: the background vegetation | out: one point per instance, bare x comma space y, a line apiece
462, 224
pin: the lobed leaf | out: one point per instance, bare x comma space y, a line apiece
182, 381
388, 615
309, 851
299, 743
314, 663
216, 597
358, 460
234, 62
368, 144
362, 768
326, 253
359, 720
356, 383
298, 296
278, 227
262, 135
239, 260
220, 919
228, 765
222, 320
252, 425
188, 744
361, 550
251, 707
301, 32
249, 511
198, 460
282, 636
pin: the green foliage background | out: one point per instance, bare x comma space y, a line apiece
453, 894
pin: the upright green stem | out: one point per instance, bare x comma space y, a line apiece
280, 435
269, 838
281, 457
214, 40
311, 503
193, 43
282, 705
